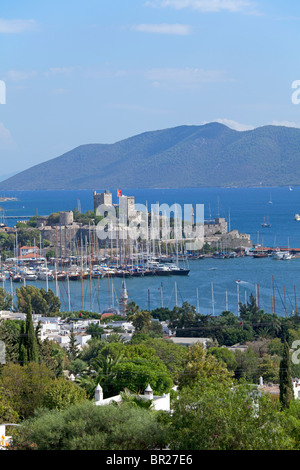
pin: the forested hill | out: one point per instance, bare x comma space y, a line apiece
211, 155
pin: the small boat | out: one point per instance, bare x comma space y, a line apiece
162, 270
219, 255
266, 223
177, 270
61, 276
16, 278
260, 254
297, 217
44, 273
30, 276
282, 255
74, 276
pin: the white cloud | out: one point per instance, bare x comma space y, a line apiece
237, 126
184, 77
164, 28
20, 75
16, 26
285, 124
233, 6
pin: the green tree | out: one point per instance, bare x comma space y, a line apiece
285, 379
201, 365
10, 333
7, 413
25, 386
73, 349
53, 302
53, 356
28, 343
174, 356
37, 301
78, 366
5, 300
224, 355
31, 339
84, 426
94, 330
141, 321
50, 254
42, 302
247, 365
63, 394
155, 330
213, 417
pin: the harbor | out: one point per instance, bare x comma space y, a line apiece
212, 285
86, 275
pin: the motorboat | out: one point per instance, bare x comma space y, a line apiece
282, 255
177, 270
43, 273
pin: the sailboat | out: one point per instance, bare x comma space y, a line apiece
291, 188
270, 200
266, 223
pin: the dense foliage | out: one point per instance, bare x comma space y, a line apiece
216, 403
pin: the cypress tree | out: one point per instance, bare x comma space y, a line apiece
285, 378
31, 341
73, 347
22, 356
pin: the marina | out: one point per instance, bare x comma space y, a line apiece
100, 289
275, 254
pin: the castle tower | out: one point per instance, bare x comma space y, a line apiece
102, 199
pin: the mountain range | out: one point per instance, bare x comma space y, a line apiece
210, 155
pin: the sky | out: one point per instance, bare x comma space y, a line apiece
75, 72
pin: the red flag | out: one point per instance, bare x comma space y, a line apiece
119, 192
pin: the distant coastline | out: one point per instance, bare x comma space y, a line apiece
5, 199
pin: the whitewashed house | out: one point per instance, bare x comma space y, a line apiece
158, 402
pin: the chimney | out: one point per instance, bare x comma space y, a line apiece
98, 393
261, 381
148, 393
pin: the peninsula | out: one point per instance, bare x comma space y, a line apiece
211, 155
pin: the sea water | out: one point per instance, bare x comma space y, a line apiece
212, 283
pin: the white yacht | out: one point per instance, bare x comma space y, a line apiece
44, 273
282, 255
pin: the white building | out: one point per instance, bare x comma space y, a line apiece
158, 402
186, 341
296, 388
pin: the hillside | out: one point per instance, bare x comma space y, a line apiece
211, 155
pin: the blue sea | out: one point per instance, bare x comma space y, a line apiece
211, 284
